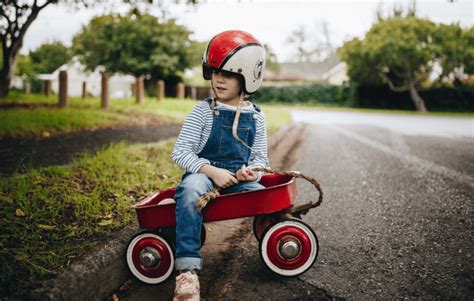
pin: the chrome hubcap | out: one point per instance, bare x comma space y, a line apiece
150, 258
289, 249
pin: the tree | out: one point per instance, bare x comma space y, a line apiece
312, 47
196, 52
134, 44
454, 52
271, 59
49, 57
16, 17
25, 66
397, 51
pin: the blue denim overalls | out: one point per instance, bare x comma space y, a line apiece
223, 151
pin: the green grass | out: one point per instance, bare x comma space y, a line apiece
83, 114
52, 215
24, 122
276, 117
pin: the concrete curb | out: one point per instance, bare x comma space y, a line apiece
99, 274
94, 277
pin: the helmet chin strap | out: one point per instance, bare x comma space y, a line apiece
214, 99
236, 120
237, 114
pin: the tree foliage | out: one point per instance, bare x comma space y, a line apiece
454, 51
24, 66
136, 44
311, 45
49, 57
271, 59
402, 52
16, 17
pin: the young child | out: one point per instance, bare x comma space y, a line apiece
222, 139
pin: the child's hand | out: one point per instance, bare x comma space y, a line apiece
221, 177
246, 174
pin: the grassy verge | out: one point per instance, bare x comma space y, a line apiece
35, 115
26, 115
51, 216
43, 122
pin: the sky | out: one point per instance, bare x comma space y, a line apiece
271, 22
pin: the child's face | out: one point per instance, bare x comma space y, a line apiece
226, 86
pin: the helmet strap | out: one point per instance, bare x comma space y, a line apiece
214, 99
236, 120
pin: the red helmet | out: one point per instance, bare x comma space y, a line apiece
237, 52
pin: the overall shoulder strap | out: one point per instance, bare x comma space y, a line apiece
257, 108
212, 103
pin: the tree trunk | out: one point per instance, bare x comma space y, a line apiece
104, 95
139, 89
417, 100
63, 89
84, 90
12, 40
47, 87
4, 86
6, 73
180, 91
160, 89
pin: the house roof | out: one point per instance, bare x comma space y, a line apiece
77, 71
311, 71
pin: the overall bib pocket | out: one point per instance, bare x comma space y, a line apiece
229, 147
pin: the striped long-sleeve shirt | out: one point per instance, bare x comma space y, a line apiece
197, 129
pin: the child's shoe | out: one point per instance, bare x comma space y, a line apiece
187, 287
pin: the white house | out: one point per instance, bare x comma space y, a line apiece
337, 75
120, 86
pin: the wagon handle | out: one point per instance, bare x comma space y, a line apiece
209, 196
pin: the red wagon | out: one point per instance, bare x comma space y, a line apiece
288, 246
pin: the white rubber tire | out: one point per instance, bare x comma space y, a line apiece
136, 272
263, 248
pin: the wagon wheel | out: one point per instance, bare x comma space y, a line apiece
289, 248
169, 233
150, 258
261, 223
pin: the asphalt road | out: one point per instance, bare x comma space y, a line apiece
398, 217
397, 221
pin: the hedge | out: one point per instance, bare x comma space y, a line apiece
453, 99
313, 94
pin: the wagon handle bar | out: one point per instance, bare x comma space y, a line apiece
209, 196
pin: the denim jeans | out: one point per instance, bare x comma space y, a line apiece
189, 220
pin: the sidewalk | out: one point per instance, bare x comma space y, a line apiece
104, 270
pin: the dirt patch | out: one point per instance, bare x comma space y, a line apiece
284, 145
20, 154
28, 106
